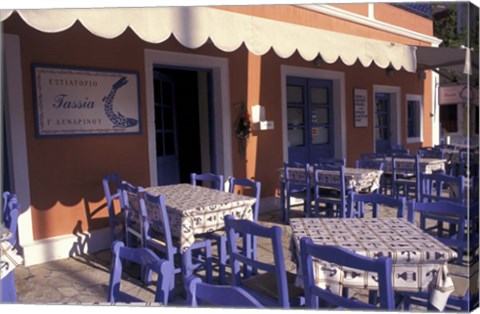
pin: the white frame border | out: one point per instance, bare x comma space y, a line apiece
339, 111
221, 103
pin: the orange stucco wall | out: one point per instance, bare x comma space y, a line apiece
385, 12
66, 173
306, 17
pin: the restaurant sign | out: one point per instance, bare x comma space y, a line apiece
79, 101
457, 94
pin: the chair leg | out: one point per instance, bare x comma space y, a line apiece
188, 267
222, 255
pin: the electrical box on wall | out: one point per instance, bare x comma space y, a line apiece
263, 125
258, 119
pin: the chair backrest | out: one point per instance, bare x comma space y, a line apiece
296, 175
462, 218
157, 226
238, 186
407, 166
146, 258
370, 164
342, 257
356, 204
112, 187
335, 180
134, 213
398, 150
431, 152
201, 293
338, 162
443, 146
215, 180
369, 156
10, 214
245, 257
438, 187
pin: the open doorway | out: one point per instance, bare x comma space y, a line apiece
184, 125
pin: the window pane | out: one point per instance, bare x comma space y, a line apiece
156, 91
169, 143
319, 95
168, 118
320, 135
158, 118
295, 137
320, 115
295, 94
167, 97
295, 116
413, 118
159, 140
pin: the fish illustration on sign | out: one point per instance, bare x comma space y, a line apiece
118, 119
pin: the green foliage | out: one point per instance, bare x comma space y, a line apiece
445, 26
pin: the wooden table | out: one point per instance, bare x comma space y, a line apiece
418, 258
196, 210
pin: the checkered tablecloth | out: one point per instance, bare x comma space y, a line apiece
427, 165
418, 259
356, 179
195, 210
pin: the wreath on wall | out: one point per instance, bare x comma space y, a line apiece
242, 127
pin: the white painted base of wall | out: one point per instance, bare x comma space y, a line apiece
62, 247
65, 246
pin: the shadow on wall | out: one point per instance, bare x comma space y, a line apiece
79, 247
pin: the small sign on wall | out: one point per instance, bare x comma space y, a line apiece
79, 101
360, 108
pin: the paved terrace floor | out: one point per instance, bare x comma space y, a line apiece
83, 280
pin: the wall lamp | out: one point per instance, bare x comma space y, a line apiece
390, 71
318, 61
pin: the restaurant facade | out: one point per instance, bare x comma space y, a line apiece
155, 94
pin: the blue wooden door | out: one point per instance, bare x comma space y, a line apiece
165, 127
382, 123
310, 119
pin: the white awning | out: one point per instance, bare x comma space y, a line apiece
193, 26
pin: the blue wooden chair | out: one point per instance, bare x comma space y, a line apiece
442, 187
158, 237
357, 202
201, 293
431, 152
398, 150
146, 259
10, 214
10, 221
297, 185
458, 301
219, 238
462, 232
269, 283
405, 178
331, 193
112, 187
370, 164
216, 181
342, 257
338, 162
134, 222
